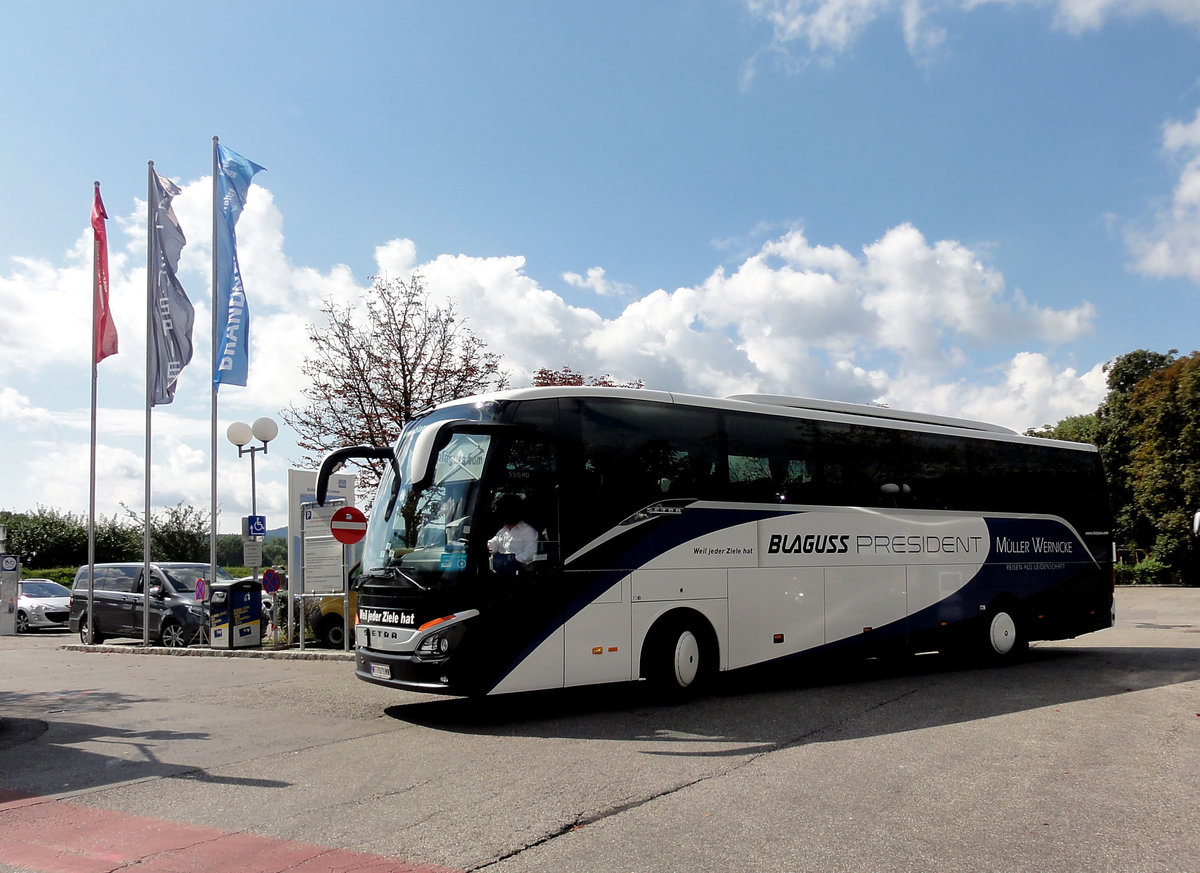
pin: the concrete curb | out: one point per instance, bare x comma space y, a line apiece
204, 652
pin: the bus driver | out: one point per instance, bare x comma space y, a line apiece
516, 538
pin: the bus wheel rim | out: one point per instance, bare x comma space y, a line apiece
687, 658
1003, 633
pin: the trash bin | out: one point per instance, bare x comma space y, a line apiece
235, 614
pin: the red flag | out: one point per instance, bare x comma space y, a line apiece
104, 331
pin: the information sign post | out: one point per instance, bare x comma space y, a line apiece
323, 558
10, 576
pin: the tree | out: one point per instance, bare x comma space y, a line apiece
275, 552
1075, 429
51, 538
229, 550
1116, 441
47, 537
180, 533
230, 553
1163, 467
546, 377
116, 540
1148, 432
372, 371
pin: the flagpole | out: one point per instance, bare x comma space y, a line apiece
92, 451
212, 538
151, 208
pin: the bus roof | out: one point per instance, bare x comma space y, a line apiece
869, 410
835, 410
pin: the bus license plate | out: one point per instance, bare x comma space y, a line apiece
381, 671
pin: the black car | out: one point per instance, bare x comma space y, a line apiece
118, 604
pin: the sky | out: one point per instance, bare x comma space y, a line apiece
963, 207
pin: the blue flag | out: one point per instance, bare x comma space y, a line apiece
229, 300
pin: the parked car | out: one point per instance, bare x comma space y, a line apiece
42, 603
176, 616
327, 621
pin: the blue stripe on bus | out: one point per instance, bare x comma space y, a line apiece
1029, 558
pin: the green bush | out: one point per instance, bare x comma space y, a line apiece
61, 575
1123, 574
1151, 572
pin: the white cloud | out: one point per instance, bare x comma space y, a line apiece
1080, 15
47, 310
528, 325
795, 318
47, 327
902, 320
925, 293
598, 282
1031, 393
819, 30
396, 257
17, 413
1171, 246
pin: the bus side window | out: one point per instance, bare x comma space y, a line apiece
636, 454
750, 479
770, 460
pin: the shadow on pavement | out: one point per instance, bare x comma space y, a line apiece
76, 755
815, 702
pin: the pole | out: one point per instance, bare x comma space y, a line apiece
92, 454
254, 502
151, 271
253, 487
212, 536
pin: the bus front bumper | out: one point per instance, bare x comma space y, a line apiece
404, 671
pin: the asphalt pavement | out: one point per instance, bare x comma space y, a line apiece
1081, 758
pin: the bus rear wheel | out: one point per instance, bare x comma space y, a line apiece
1003, 640
678, 659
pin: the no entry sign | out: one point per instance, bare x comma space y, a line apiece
348, 525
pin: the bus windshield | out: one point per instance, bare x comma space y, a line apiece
420, 534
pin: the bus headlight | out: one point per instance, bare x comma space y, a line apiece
441, 643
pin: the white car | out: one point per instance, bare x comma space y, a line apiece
42, 603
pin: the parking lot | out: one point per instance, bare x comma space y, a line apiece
1082, 758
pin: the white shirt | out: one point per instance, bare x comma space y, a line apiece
519, 540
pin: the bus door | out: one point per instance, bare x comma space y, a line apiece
522, 570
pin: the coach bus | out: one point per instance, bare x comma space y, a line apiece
679, 536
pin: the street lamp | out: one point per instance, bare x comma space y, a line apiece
240, 434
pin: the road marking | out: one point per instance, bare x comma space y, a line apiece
54, 836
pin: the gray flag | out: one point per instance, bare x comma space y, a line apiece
171, 313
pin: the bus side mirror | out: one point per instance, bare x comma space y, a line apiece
335, 459
1196, 524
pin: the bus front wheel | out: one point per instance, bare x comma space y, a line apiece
678, 659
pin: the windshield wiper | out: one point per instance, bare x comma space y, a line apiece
392, 573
